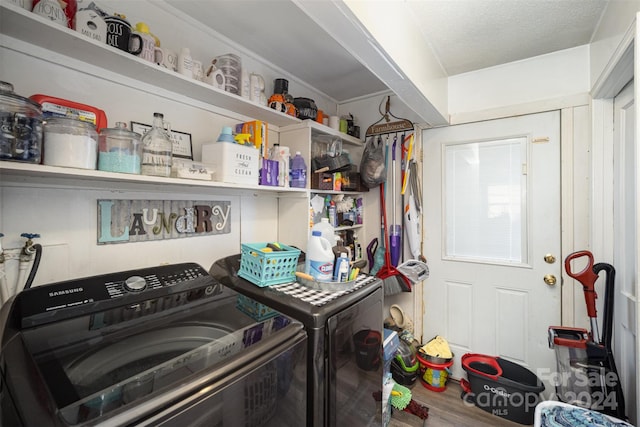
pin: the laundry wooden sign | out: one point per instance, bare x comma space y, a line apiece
122, 221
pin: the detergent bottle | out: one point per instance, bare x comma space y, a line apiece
327, 231
298, 171
319, 258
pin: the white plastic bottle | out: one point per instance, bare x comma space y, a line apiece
327, 230
341, 270
319, 258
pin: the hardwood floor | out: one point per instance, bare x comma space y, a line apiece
447, 409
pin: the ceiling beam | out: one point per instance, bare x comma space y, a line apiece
421, 86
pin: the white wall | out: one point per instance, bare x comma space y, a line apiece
406, 46
616, 21
547, 77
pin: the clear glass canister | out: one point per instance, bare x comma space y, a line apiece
70, 143
157, 149
119, 150
20, 127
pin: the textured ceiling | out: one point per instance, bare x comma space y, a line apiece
466, 35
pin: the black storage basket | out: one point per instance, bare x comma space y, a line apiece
501, 387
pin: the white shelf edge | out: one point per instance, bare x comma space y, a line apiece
9, 169
318, 128
346, 192
349, 227
31, 28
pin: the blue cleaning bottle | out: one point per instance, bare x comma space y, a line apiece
341, 270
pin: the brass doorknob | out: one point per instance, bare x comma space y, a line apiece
549, 258
550, 279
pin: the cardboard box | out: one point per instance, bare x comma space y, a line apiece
233, 163
269, 173
259, 132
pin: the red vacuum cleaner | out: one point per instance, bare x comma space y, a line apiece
587, 374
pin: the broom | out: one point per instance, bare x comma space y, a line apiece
393, 280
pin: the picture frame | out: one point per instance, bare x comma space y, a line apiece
182, 145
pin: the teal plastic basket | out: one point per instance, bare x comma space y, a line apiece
254, 309
268, 268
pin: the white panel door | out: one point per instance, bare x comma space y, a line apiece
625, 257
492, 214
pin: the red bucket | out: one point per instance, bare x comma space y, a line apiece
434, 376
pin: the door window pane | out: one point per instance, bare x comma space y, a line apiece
484, 200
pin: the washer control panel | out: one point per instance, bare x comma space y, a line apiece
155, 279
48, 303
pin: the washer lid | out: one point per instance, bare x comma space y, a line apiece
92, 372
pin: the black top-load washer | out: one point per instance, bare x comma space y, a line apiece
344, 332
157, 346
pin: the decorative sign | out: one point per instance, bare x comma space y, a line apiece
181, 140
399, 126
121, 221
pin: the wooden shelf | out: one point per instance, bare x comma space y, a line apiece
31, 28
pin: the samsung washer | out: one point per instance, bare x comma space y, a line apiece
159, 346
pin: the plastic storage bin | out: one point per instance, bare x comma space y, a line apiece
501, 387
268, 268
389, 347
254, 309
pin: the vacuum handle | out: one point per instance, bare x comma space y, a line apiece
607, 317
587, 277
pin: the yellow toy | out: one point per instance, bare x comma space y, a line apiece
242, 139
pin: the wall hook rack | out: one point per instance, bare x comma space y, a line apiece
400, 125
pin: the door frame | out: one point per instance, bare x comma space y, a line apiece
619, 72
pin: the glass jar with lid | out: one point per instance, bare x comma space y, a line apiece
70, 142
119, 150
20, 127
